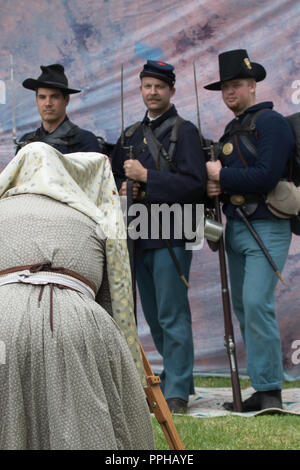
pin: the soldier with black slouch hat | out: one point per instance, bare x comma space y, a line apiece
256, 148
52, 98
165, 170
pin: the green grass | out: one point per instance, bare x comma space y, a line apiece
270, 432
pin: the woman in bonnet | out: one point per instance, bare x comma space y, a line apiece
70, 371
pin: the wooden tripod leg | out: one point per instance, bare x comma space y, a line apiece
158, 406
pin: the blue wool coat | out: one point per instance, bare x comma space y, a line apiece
274, 144
187, 185
86, 141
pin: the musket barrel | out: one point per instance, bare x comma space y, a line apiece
228, 327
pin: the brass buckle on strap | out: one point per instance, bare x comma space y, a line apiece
237, 199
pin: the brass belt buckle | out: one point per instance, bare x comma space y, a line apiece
237, 199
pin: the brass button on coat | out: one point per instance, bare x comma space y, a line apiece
227, 148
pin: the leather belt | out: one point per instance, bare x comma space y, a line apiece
239, 199
45, 274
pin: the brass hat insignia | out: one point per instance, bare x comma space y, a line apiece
247, 62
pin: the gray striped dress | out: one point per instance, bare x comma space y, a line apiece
78, 387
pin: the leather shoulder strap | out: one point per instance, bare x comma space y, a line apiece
155, 146
63, 135
174, 136
131, 130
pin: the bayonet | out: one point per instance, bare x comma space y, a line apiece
197, 106
122, 106
13, 116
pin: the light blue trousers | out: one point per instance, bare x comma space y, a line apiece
253, 283
166, 308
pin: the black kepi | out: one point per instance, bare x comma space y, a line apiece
236, 64
53, 76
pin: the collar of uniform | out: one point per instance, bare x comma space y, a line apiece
256, 107
44, 132
150, 119
157, 122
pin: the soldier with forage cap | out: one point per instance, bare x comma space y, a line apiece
164, 296
244, 176
52, 98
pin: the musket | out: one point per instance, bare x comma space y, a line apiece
229, 333
129, 202
228, 326
130, 241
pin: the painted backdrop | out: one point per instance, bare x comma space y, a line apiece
92, 38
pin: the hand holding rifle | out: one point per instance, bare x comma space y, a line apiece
213, 188
135, 170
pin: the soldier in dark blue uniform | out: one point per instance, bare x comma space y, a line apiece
52, 98
254, 158
164, 172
